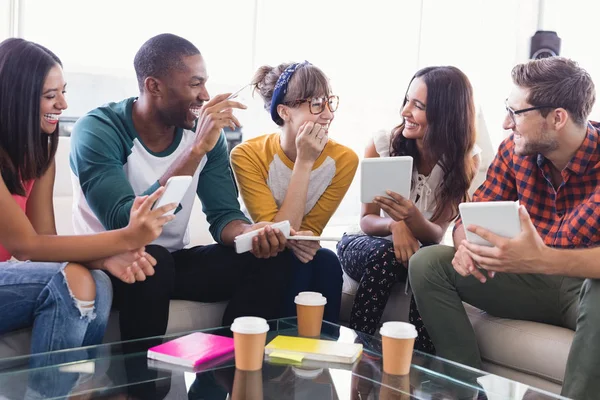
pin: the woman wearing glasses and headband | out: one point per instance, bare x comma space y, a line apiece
438, 131
299, 174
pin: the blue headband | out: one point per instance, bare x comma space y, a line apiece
281, 89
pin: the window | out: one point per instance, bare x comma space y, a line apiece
578, 34
369, 52
97, 44
482, 39
5, 20
107, 36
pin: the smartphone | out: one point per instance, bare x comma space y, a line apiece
175, 189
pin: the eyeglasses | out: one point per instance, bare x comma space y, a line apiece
512, 113
317, 104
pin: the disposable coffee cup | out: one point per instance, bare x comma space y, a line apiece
249, 339
395, 387
247, 385
398, 341
309, 309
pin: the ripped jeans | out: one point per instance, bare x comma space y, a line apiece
35, 294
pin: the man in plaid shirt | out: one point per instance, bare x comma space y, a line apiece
551, 165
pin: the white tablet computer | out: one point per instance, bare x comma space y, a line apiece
385, 173
499, 217
243, 243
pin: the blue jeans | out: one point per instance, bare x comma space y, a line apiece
324, 275
36, 294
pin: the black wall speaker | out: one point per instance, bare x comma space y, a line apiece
544, 44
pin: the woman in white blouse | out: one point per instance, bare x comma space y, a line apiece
438, 131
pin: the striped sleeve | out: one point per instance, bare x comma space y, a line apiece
346, 166
98, 152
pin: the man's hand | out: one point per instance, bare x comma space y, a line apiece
520, 255
405, 244
216, 114
398, 208
130, 266
267, 243
304, 250
465, 266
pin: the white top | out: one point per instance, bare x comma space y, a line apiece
422, 192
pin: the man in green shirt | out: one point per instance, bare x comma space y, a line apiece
133, 147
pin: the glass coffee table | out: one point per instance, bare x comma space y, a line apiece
122, 371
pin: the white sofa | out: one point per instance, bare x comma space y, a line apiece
529, 352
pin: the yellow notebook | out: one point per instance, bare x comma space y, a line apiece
314, 349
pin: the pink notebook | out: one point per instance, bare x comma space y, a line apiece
192, 349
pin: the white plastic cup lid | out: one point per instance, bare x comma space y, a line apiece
310, 299
398, 330
301, 294
307, 373
250, 325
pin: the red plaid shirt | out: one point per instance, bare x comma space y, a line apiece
566, 217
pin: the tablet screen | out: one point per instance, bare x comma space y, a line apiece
377, 175
499, 217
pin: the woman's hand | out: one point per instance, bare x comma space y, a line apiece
131, 266
304, 250
405, 244
145, 224
311, 141
397, 207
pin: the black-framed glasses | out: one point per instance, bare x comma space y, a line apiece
317, 104
512, 113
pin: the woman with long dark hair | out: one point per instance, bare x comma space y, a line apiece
438, 131
55, 284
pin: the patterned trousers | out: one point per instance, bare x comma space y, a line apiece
371, 262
